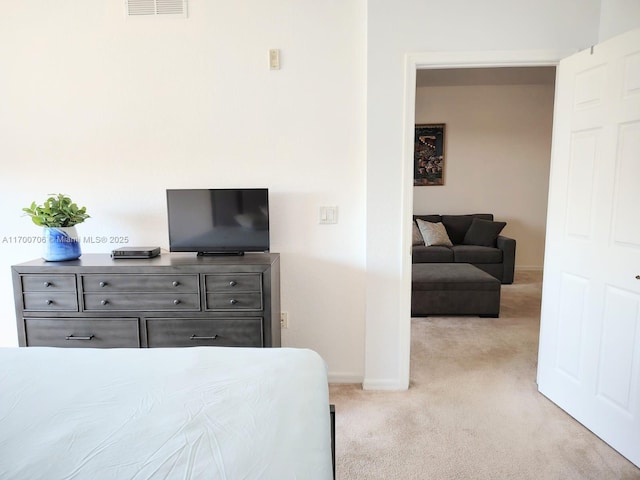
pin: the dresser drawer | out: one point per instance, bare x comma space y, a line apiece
140, 283
88, 332
193, 332
141, 301
234, 301
50, 302
48, 283
249, 282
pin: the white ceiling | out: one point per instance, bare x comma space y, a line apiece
486, 76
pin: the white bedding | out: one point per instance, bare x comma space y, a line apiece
184, 413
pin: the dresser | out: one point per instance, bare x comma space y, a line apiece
173, 300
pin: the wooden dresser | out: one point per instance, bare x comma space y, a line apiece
173, 300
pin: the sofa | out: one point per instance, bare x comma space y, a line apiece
473, 238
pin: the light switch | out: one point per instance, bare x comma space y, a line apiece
328, 215
274, 59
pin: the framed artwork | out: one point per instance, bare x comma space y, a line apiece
428, 152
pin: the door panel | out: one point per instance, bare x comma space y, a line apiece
617, 348
573, 298
584, 153
627, 191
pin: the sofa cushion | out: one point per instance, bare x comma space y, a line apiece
433, 233
476, 254
416, 236
434, 254
483, 232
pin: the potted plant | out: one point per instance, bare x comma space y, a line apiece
58, 216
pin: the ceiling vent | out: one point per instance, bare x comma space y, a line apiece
164, 8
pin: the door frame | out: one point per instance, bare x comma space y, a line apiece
440, 60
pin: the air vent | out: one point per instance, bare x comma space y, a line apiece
165, 8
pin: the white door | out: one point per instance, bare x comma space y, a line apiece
589, 357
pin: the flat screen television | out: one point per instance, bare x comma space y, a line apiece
220, 221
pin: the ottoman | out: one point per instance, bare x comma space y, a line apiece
453, 289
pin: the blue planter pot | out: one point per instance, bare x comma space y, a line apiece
60, 244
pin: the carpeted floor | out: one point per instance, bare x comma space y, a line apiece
473, 410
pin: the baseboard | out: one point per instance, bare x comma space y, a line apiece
344, 378
528, 268
387, 385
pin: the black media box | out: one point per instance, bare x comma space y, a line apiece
135, 252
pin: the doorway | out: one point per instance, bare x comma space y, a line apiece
440, 61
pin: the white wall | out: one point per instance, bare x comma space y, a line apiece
618, 16
114, 110
498, 149
408, 26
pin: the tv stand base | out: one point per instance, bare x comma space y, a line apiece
234, 254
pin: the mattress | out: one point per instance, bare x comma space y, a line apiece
166, 413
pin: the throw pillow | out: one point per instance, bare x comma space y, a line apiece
457, 226
483, 232
416, 236
434, 233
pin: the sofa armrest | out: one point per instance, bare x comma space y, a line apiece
508, 247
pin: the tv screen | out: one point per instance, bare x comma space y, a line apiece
218, 221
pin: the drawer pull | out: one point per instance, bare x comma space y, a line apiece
637, 277
176, 302
73, 337
233, 301
175, 284
104, 302
233, 283
196, 337
48, 302
47, 284
102, 284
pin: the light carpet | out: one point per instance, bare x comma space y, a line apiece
472, 410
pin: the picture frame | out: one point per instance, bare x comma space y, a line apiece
428, 154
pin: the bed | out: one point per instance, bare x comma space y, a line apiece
165, 413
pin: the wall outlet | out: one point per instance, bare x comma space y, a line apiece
284, 320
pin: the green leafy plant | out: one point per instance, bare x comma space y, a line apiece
57, 211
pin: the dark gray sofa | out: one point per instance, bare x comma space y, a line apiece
479, 246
